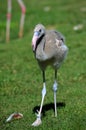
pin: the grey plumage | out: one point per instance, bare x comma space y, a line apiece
49, 49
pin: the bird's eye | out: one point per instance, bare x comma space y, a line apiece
40, 30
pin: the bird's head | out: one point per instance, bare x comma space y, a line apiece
39, 32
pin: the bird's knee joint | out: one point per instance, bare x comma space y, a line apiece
8, 15
23, 9
55, 87
44, 89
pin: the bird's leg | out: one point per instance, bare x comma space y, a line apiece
43, 95
55, 85
23, 9
8, 21
38, 120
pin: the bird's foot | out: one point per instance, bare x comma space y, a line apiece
20, 34
38, 121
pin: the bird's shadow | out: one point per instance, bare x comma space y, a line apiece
48, 107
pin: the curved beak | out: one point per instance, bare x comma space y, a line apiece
34, 40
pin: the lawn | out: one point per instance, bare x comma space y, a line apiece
20, 76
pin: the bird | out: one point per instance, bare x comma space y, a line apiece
9, 9
49, 49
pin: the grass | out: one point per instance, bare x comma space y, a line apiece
20, 76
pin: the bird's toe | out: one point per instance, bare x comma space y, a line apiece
37, 122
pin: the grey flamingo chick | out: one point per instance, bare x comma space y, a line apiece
49, 49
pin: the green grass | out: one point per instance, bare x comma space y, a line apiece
20, 76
